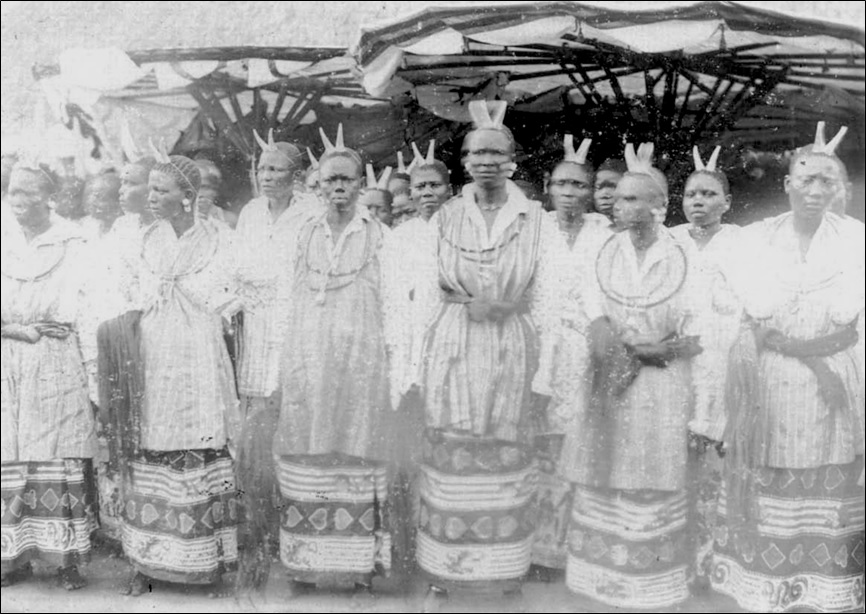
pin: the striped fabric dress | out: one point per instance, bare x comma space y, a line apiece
475, 381
803, 548
563, 374
265, 256
329, 442
265, 249
48, 435
722, 274
181, 512
628, 544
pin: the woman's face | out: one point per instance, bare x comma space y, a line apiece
206, 200
340, 182
704, 200
275, 175
133, 189
605, 190
165, 196
429, 190
570, 189
488, 151
101, 198
636, 202
377, 203
28, 198
813, 184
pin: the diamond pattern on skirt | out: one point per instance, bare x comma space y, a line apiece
820, 554
643, 558
858, 554
186, 523
797, 554
50, 499
368, 520
773, 557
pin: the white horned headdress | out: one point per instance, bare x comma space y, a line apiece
579, 156
420, 160
711, 165
382, 182
821, 145
488, 113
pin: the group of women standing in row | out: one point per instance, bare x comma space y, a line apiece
647, 408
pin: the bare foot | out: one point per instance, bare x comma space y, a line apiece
70, 579
137, 584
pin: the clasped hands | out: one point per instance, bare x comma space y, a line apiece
31, 333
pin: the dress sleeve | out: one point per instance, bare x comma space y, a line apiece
426, 299
546, 301
222, 289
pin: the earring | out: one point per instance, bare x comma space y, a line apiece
186, 204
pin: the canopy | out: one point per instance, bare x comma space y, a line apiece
708, 71
229, 91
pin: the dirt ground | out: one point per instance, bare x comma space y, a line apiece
107, 574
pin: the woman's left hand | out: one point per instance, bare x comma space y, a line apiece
52, 330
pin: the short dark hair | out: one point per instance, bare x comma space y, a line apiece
437, 166
719, 176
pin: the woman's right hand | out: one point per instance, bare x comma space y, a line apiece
22, 332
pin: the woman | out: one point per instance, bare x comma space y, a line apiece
334, 389
48, 434
565, 360
415, 239
127, 231
792, 537
607, 176
266, 243
181, 506
101, 202
626, 449
718, 247
208, 204
117, 291
479, 356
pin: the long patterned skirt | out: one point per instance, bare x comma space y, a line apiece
552, 506
180, 520
48, 512
334, 523
807, 551
476, 521
629, 548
